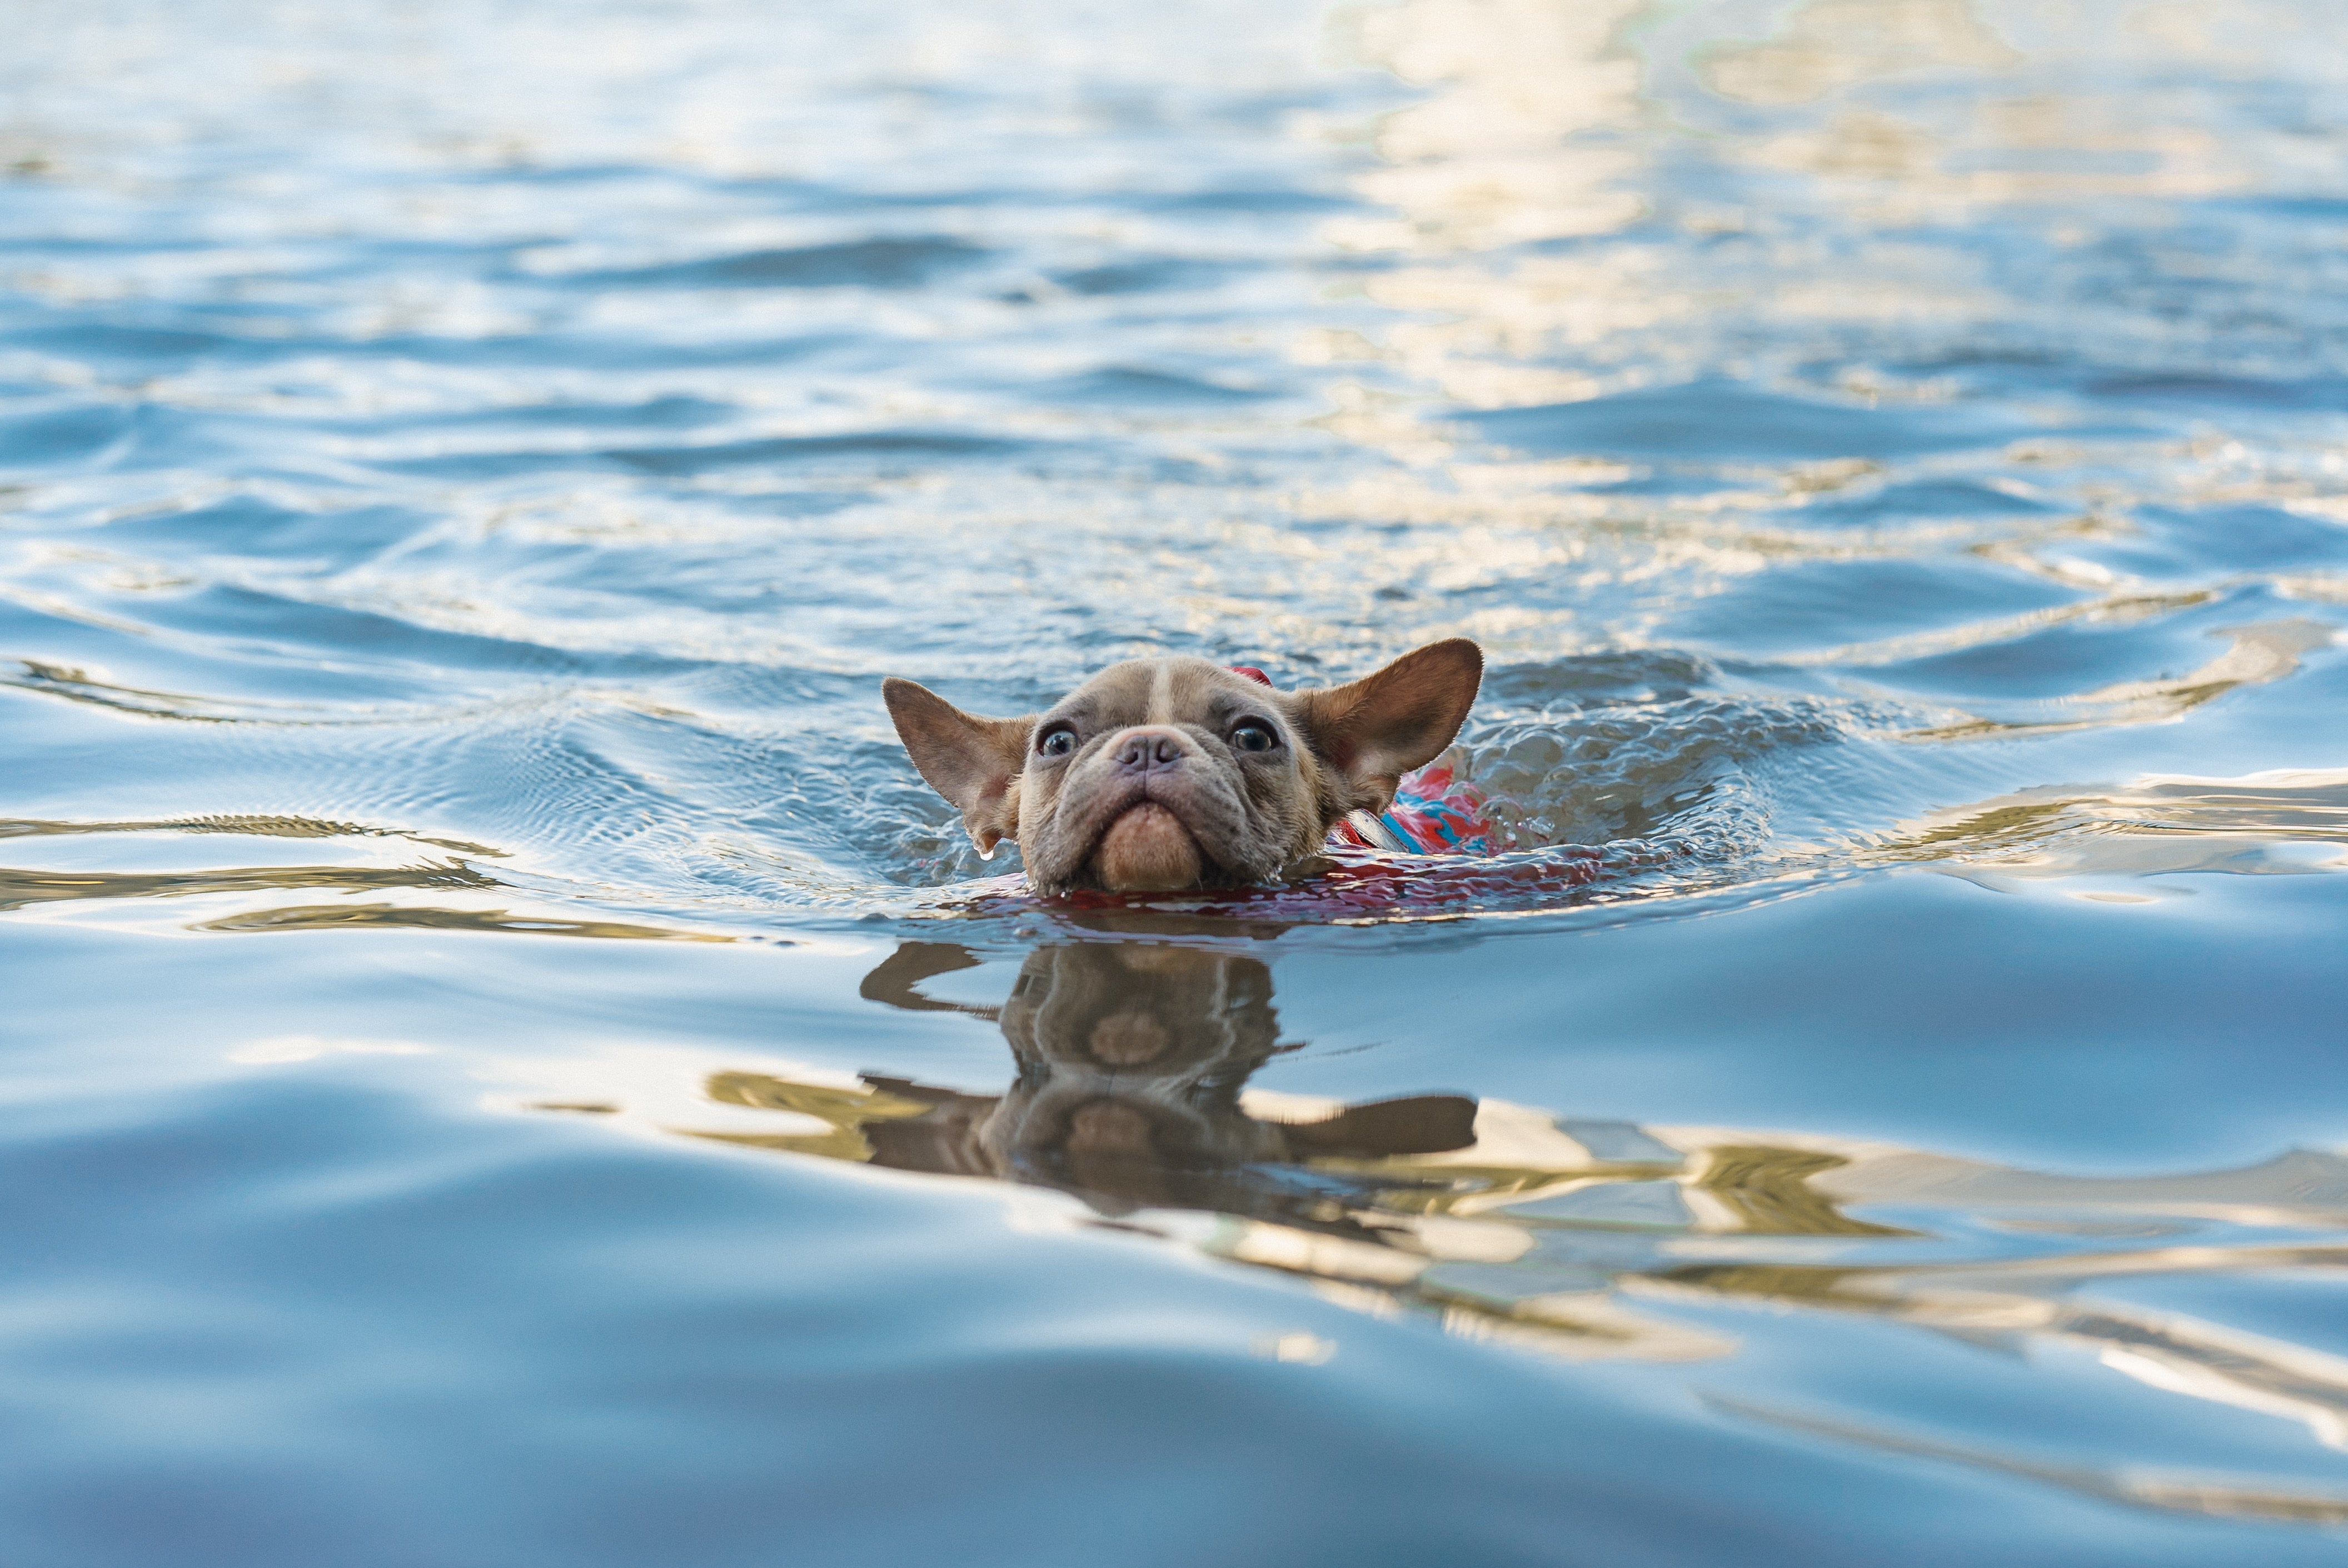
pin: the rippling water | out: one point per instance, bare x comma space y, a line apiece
510, 1065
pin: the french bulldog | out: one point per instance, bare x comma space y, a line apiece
1159, 776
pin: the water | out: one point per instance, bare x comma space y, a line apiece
508, 1065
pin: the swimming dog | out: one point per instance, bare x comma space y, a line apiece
1159, 776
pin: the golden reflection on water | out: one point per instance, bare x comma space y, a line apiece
249, 890
20, 888
262, 827
1587, 1238
79, 686
1489, 158
2007, 140
2262, 822
1831, 43
1495, 156
2217, 1496
348, 916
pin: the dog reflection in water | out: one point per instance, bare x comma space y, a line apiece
1575, 1237
1131, 1061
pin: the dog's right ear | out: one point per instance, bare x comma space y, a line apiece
1399, 718
975, 763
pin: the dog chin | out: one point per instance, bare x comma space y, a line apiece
1147, 850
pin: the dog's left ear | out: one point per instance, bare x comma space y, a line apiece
1384, 725
975, 763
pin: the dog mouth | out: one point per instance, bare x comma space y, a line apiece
1148, 849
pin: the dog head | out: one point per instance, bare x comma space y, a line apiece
1163, 774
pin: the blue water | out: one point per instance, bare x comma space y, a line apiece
506, 1064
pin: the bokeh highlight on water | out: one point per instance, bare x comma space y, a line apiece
508, 1064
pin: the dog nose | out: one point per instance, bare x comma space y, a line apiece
1149, 750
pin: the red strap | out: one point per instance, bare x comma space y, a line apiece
1253, 673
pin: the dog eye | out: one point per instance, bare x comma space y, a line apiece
1056, 742
1254, 737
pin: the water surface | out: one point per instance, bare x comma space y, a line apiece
510, 1065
